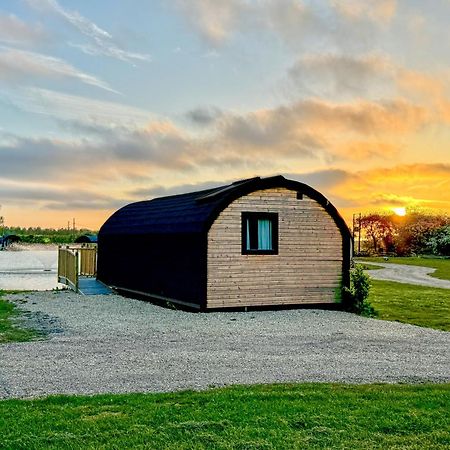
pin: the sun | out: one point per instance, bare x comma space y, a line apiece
400, 211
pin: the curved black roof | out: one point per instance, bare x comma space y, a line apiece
196, 211
86, 239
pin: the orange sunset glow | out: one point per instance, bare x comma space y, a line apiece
108, 103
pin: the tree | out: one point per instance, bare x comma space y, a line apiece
380, 229
415, 233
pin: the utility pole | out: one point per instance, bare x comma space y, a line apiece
357, 229
353, 233
73, 224
2, 223
2, 226
68, 225
359, 234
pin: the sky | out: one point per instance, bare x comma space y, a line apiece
107, 102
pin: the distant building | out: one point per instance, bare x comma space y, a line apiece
8, 239
86, 239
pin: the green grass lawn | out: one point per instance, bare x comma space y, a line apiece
441, 265
312, 416
407, 303
367, 266
10, 331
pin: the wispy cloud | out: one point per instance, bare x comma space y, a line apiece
21, 64
102, 42
81, 113
15, 31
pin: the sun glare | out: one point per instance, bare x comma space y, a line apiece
401, 211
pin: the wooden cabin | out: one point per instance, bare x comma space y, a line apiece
254, 243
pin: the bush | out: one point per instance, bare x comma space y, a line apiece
440, 241
355, 299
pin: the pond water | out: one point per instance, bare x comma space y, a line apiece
29, 270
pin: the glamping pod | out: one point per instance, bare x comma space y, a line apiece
256, 242
86, 239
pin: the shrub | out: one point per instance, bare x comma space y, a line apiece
354, 299
440, 241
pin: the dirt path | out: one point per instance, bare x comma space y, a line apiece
406, 274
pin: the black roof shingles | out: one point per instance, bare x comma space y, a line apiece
192, 212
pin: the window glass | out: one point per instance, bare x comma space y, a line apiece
259, 233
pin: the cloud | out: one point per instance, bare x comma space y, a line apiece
77, 112
102, 42
315, 124
15, 31
400, 185
111, 51
321, 179
214, 20
202, 116
294, 21
276, 132
337, 74
50, 197
413, 185
310, 131
163, 191
380, 11
111, 153
16, 64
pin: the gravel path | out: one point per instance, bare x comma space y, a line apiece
113, 344
406, 274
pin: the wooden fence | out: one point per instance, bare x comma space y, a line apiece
74, 262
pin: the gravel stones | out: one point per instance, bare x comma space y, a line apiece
113, 344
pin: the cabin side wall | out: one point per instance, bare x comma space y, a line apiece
307, 269
168, 266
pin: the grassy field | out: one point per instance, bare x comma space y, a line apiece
368, 266
407, 303
253, 417
441, 265
9, 329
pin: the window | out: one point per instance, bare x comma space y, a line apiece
259, 233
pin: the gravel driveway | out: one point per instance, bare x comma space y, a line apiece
407, 274
114, 344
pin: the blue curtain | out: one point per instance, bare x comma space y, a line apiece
248, 234
264, 234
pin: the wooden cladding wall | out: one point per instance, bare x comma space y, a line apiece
307, 269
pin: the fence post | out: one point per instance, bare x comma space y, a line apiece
76, 270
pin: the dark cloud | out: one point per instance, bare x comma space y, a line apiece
203, 116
